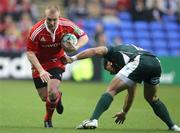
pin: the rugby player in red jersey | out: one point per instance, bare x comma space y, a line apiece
46, 55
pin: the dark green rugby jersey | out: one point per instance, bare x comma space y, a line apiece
123, 54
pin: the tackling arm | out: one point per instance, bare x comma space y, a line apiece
99, 51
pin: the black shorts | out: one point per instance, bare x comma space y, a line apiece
148, 70
143, 68
56, 74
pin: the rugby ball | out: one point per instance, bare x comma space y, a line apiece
69, 42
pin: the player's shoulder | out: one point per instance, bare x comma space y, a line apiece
64, 19
66, 22
37, 28
39, 24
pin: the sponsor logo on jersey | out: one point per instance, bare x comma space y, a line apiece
42, 39
51, 45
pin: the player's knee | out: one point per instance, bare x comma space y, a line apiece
113, 92
150, 99
52, 95
147, 98
43, 98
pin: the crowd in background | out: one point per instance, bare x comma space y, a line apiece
17, 16
109, 12
147, 10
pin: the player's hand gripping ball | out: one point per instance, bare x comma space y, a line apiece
69, 42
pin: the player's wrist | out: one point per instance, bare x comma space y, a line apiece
40, 70
76, 47
123, 111
74, 58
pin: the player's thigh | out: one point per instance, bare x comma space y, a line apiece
122, 79
119, 84
41, 88
53, 85
150, 92
55, 80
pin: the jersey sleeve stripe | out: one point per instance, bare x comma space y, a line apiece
35, 32
66, 23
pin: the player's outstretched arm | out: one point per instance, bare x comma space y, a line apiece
98, 51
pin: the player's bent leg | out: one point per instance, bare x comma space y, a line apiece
47, 119
51, 101
117, 85
54, 95
53, 85
150, 94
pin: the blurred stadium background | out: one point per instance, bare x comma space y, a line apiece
151, 24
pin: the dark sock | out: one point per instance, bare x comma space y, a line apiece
161, 111
102, 105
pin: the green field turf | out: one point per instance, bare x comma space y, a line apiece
21, 110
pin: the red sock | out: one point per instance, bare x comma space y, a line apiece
50, 106
49, 110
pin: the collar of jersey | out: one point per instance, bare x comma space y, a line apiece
52, 34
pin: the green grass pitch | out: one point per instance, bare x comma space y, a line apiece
21, 110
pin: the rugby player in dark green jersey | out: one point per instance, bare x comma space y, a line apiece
131, 65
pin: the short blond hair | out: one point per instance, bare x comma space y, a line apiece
52, 9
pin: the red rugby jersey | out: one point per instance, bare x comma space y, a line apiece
47, 45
